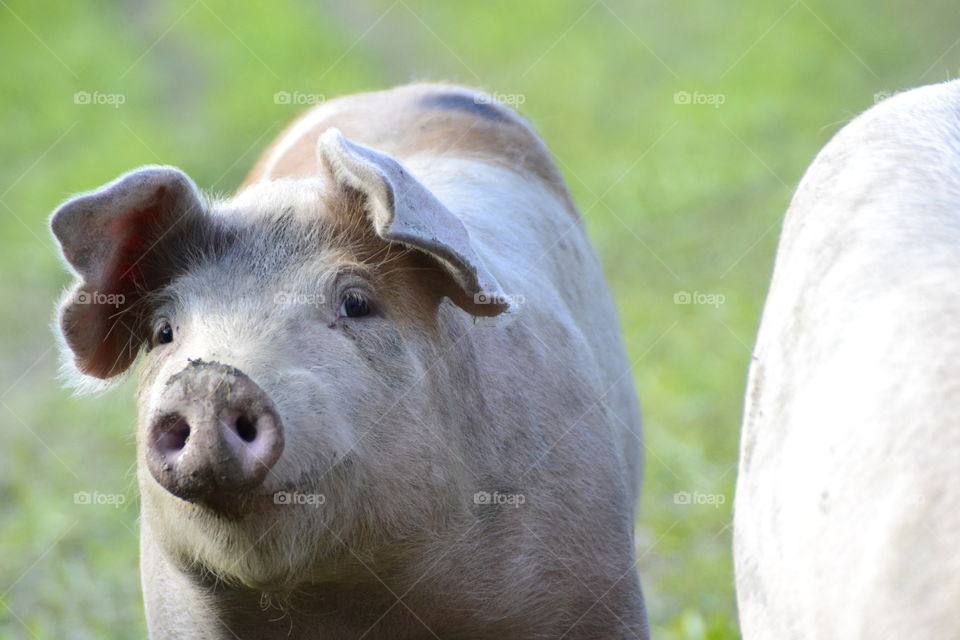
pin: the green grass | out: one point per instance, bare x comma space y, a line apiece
677, 198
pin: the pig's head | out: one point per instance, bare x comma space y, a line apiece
295, 391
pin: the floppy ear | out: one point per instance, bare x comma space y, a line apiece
112, 239
404, 211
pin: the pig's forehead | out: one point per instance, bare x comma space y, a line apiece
303, 200
252, 259
280, 230
272, 224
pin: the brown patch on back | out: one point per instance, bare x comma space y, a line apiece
414, 119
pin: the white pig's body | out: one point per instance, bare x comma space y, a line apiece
848, 498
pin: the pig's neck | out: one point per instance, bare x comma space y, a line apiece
331, 611
357, 604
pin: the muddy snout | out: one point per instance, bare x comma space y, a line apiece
214, 436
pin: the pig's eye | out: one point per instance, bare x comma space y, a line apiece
354, 305
164, 333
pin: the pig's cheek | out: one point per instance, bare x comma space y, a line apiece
316, 422
331, 411
329, 436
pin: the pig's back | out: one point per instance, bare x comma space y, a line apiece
414, 120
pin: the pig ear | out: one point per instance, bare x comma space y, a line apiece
111, 239
402, 210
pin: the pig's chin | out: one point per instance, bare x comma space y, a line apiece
256, 551
252, 542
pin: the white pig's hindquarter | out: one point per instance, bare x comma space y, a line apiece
848, 499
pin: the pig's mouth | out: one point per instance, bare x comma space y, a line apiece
241, 505
236, 507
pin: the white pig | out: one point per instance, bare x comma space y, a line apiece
847, 521
384, 392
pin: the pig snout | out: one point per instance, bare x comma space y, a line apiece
214, 436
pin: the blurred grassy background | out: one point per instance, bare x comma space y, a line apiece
677, 197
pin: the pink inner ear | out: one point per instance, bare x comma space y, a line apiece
123, 272
123, 276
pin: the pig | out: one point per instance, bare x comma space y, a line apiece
382, 391
847, 505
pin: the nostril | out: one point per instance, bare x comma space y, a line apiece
174, 438
246, 428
